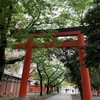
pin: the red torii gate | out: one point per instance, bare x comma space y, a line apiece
60, 32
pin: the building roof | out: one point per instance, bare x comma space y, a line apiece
10, 73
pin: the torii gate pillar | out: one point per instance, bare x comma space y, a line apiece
25, 74
84, 71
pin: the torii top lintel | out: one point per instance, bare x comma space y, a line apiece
75, 31
29, 45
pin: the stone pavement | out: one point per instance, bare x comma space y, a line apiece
76, 97
54, 96
65, 96
60, 96
96, 98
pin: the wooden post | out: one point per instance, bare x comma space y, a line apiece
26, 69
84, 71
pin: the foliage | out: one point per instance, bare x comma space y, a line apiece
78, 9
69, 57
54, 73
92, 31
95, 79
23, 16
49, 70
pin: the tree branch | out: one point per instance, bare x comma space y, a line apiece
53, 73
59, 82
12, 61
33, 22
56, 77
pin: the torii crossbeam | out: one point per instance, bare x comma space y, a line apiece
29, 45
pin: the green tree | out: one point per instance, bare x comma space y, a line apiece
39, 57
69, 57
78, 9
95, 78
54, 75
48, 71
92, 31
23, 16
6, 12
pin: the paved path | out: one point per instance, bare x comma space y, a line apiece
96, 98
65, 96
75, 97
61, 96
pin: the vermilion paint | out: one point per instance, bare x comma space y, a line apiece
80, 43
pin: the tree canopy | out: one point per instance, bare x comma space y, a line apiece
92, 31
23, 16
50, 71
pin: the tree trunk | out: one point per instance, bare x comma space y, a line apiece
41, 87
57, 89
47, 89
2, 54
40, 79
51, 89
81, 92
